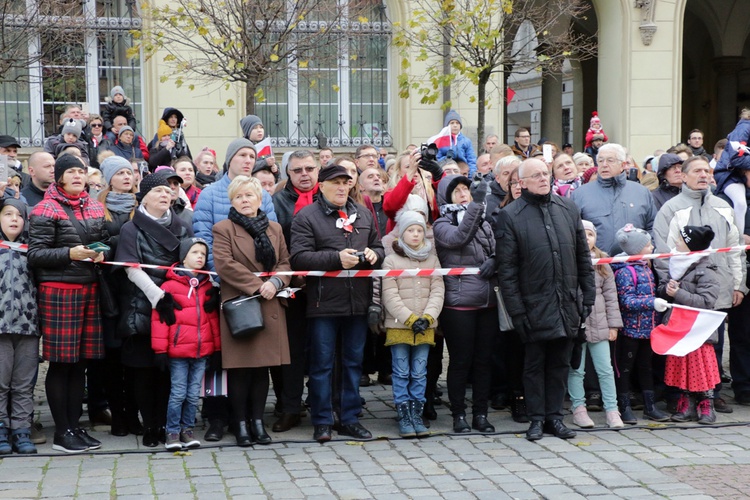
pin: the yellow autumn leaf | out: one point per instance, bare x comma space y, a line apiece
230, 102
363, 19
303, 64
274, 57
335, 87
353, 57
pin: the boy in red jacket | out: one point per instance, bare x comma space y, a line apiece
184, 333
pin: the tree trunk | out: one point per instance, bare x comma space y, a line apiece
484, 78
250, 98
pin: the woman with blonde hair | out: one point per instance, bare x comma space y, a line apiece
409, 179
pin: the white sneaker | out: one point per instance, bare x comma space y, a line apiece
581, 418
613, 420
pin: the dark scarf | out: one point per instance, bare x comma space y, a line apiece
205, 179
256, 227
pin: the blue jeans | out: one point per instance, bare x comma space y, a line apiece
603, 366
186, 375
323, 334
409, 372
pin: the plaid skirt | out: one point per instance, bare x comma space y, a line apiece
71, 323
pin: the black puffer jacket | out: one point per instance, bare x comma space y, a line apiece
52, 235
283, 204
544, 264
465, 244
316, 243
145, 241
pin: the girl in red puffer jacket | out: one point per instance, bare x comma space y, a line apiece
184, 333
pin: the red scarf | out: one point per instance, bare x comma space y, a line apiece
304, 198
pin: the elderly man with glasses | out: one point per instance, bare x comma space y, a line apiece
542, 257
612, 201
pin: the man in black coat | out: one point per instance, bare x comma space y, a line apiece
331, 234
547, 283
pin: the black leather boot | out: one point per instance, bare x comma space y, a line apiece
626, 412
650, 411
241, 434
258, 432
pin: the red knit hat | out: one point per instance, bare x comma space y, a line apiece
594, 119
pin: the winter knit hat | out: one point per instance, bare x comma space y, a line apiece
234, 147
589, 226
72, 126
116, 90
113, 164
125, 129
415, 203
632, 240
594, 119
453, 184
148, 183
409, 218
188, 243
64, 163
452, 115
697, 237
248, 123
163, 129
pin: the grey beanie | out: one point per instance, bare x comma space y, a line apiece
116, 90
125, 129
632, 240
113, 164
72, 126
187, 244
234, 147
248, 123
452, 115
409, 218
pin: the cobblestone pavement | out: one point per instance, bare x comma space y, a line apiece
657, 461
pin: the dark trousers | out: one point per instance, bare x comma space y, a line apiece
470, 337
739, 354
152, 395
545, 375
514, 362
289, 380
634, 355
248, 391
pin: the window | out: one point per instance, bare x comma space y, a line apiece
339, 95
79, 68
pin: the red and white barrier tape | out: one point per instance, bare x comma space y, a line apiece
379, 273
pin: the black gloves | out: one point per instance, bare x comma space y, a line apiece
214, 362
522, 326
432, 167
420, 325
166, 307
213, 300
488, 268
161, 361
585, 312
478, 189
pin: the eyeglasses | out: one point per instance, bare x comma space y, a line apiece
537, 176
92, 125
299, 170
610, 161
371, 156
513, 183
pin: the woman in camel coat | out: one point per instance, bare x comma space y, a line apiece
246, 243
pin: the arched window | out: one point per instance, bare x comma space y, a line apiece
337, 95
82, 54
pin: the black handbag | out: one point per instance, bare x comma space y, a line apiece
243, 315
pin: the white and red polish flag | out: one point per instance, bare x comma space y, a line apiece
688, 328
263, 148
443, 139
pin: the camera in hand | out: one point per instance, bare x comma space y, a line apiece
428, 152
361, 257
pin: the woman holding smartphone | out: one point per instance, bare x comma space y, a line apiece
60, 228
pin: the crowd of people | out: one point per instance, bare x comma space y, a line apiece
529, 321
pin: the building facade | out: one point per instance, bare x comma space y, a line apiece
663, 68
